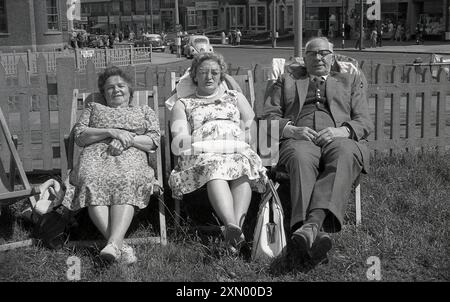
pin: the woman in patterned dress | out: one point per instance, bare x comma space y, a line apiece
212, 117
113, 177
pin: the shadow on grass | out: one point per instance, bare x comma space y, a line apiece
6, 223
290, 262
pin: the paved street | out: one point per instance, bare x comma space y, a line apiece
247, 55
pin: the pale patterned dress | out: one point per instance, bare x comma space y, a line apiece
103, 179
211, 120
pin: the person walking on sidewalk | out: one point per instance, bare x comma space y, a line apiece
358, 40
373, 38
380, 35
238, 36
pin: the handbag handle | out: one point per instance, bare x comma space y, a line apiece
276, 199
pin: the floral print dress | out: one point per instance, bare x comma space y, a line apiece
101, 179
215, 119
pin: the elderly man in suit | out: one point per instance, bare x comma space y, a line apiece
323, 121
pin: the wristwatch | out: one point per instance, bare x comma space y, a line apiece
348, 130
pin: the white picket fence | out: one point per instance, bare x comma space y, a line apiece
101, 57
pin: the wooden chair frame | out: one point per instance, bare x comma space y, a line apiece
72, 151
8, 194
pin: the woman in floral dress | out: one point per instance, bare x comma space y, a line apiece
217, 121
113, 177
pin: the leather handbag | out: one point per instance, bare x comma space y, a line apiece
269, 239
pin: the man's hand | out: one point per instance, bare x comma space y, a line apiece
115, 147
327, 135
299, 133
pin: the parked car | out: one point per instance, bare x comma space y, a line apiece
196, 44
151, 39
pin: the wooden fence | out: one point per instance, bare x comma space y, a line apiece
101, 57
409, 113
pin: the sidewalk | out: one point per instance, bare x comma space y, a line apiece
437, 47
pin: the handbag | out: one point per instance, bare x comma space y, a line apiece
269, 239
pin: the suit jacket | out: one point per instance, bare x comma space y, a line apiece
347, 99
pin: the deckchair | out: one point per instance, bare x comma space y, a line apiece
8, 191
155, 159
245, 85
279, 66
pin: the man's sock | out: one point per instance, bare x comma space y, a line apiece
296, 226
316, 216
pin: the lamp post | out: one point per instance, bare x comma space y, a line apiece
343, 25
361, 24
151, 14
298, 28
274, 24
178, 29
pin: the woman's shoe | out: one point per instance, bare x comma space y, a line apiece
128, 255
110, 252
234, 238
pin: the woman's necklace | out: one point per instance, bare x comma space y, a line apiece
207, 96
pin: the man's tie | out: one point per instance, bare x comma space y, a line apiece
320, 87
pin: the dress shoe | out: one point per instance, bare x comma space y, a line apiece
303, 239
320, 247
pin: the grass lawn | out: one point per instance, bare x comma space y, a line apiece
405, 223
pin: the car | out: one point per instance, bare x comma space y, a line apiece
196, 44
155, 40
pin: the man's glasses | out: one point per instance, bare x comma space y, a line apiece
323, 53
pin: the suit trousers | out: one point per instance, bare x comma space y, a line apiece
320, 177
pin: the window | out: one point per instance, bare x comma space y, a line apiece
240, 16
257, 17
3, 23
290, 16
192, 17
252, 16
261, 16
52, 15
237, 16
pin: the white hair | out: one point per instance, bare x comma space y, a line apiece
330, 45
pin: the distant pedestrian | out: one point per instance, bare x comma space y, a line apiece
358, 39
348, 30
331, 31
419, 34
111, 38
238, 36
373, 38
380, 35
230, 38
391, 30
223, 37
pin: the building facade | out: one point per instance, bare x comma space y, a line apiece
32, 25
42, 24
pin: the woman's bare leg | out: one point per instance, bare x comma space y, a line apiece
121, 217
220, 197
100, 217
242, 195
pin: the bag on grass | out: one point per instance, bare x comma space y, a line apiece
269, 239
51, 219
52, 228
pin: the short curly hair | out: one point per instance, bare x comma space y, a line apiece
201, 57
114, 71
